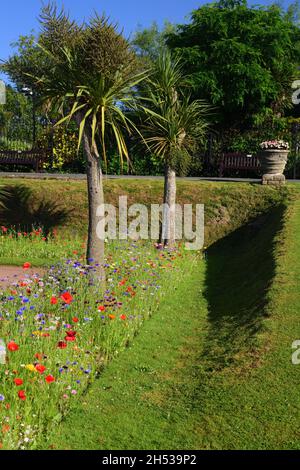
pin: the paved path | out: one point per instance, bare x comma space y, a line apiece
73, 176
79, 177
10, 275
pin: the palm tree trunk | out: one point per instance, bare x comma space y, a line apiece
169, 220
95, 246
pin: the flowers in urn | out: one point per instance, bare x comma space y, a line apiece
273, 158
274, 145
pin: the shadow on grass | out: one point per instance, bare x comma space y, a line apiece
239, 271
18, 211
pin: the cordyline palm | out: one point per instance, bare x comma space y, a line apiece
173, 127
89, 76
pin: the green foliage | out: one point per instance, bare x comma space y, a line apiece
243, 59
63, 141
90, 76
22, 65
64, 148
248, 141
15, 121
173, 126
150, 42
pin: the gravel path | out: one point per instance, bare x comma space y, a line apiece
14, 274
82, 177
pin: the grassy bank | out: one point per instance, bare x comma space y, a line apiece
227, 207
212, 368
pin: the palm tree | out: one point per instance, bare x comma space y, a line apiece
173, 126
87, 73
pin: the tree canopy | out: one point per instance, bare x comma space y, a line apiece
148, 43
241, 59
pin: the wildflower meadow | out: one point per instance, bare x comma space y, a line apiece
59, 333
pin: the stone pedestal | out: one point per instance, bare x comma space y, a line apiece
275, 180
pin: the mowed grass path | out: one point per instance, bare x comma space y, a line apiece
212, 368
144, 399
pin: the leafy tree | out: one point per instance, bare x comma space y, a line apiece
173, 126
15, 120
90, 77
242, 59
149, 42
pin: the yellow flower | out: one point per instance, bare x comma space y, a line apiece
30, 367
37, 333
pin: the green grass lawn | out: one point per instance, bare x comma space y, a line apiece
212, 368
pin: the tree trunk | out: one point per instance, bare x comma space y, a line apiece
169, 216
95, 246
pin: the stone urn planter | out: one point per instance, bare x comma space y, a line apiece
273, 158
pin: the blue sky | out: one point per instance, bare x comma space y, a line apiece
20, 16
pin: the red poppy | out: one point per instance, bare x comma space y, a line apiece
121, 283
75, 320
18, 382
112, 317
66, 297
101, 308
71, 336
5, 428
40, 368
45, 335
62, 345
26, 265
123, 317
53, 301
21, 395
50, 379
4, 229
12, 346
39, 356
